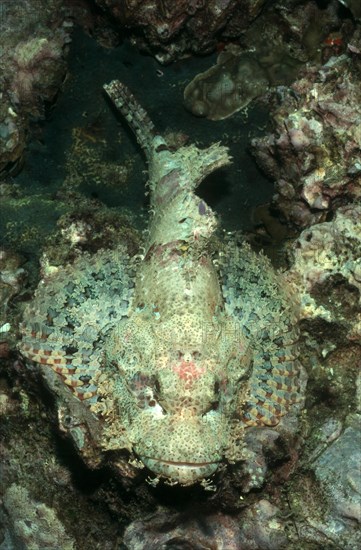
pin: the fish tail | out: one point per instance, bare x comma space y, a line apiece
137, 118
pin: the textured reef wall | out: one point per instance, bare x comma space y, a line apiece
172, 30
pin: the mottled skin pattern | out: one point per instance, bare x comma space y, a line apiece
171, 355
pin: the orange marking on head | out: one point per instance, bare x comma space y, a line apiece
188, 371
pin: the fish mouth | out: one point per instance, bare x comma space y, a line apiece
176, 463
185, 473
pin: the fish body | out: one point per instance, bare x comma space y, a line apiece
172, 355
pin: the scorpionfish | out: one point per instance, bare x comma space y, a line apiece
168, 357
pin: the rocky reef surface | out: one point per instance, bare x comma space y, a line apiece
35, 35
33, 39
306, 492
326, 268
313, 153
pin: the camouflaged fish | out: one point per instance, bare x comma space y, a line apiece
169, 357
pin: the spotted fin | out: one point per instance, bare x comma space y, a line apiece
65, 325
255, 295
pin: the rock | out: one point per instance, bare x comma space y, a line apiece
329, 511
31, 524
338, 471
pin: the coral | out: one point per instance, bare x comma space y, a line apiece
326, 271
11, 275
33, 38
38, 68
123, 343
314, 153
33, 525
171, 30
227, 87
40, 478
